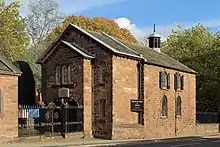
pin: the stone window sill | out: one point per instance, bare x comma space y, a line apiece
164, 88
179, 90
163, 117
178, 116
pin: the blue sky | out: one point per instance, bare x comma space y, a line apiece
140, 15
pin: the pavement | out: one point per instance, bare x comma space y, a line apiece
195, 141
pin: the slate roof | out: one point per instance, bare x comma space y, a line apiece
152, 57
77, 50
6, 67
127, 49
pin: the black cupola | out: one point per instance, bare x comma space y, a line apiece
154, 40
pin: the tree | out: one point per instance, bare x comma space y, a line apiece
188, 43
198, 48
42, 17
98, 24
14, 40
26, 80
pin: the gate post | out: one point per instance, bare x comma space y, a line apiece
63, 93
63, 110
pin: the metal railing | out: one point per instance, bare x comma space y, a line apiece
207, 117
41, 120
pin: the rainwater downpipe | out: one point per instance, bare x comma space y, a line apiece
140, 77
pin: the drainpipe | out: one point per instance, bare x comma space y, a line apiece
140, 77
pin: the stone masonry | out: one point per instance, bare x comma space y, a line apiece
101, 127
119, 87
9, 119
125, 123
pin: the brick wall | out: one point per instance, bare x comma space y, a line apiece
157, 126
211, 128
120, 86
63, 55
9, 122
125, 88
101, 127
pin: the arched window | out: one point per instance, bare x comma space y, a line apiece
164, 106
76, 114
103, 108
57, 75
178, 106
64, 74
102, 72
70, 74
164, 80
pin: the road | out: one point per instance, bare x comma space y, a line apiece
189, 143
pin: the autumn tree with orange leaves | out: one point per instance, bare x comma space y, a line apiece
98, 24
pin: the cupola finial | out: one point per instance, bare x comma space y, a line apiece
154, 40
154, 28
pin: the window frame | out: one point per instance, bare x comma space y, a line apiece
178, 82
179, 106
164, 106
102, 67
164, 80
57, 75
70, 70
64, 74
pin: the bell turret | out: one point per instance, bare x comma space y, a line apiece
154, 40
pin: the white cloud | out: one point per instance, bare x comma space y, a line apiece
140, 33
126, 23
163, 30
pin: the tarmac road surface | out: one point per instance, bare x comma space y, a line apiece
203, 142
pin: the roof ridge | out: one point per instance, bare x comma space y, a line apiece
8, 64
114, 39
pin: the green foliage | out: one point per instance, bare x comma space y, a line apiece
14, 40
198, 48
188, 43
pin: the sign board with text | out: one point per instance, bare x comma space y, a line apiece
137, 105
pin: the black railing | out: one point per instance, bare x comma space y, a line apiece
207, 117
44, 120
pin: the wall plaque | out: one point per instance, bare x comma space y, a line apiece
64, 92
137, 105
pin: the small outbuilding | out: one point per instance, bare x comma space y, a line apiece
8, 100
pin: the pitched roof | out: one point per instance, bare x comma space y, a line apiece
128, 49
58, 39
72, 46
6, 67
155, 58
77, 50
152, 57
